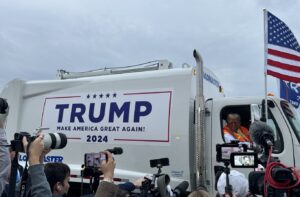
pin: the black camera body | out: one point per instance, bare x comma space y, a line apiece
148, 188
51, 141
17, 144
279, 175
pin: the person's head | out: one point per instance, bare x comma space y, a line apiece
58, 176
238, 182
3, 111
199, 193
233, 121
247, 161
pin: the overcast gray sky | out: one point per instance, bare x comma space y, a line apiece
38, 37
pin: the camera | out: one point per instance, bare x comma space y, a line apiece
224, 150
51, 141
94, 160
277, 180
158, 184
161, 180
224, 154
285, 180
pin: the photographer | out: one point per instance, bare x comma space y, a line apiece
238, 182
4, 153
38, 185
58, 176
107, 188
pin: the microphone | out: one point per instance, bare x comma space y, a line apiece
116, 150
162, 182
261, 133
181, 189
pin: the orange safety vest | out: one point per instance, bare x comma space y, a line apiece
242, 134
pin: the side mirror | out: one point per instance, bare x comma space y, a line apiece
255, 112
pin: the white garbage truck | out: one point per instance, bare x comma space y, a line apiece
151, 111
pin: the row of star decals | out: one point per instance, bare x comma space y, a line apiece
94, 96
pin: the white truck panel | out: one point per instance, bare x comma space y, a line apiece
27, 101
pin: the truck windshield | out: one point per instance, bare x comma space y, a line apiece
292, 116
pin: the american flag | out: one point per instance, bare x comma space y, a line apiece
283, 51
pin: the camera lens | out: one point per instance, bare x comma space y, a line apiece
55, 140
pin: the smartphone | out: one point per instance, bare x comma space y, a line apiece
94, 160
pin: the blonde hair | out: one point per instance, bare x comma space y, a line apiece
199, 193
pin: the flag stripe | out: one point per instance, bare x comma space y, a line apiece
283, 71
283, 65
284, 49
284, 77
283, 54
283, 60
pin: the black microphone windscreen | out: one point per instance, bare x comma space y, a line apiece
116, 150
258, 129
182, 187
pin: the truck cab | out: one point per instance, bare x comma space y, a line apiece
282, 118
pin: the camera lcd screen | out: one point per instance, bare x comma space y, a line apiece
224, 151
244, 160
93, 160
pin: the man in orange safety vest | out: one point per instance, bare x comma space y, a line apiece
234, 131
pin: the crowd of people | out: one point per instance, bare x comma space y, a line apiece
52, 179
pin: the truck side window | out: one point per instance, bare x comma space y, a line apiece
235, 121
292, 116
245, 122
278, 142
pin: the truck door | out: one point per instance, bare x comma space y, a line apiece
283, 141
293, 118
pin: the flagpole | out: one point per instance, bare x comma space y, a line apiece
265, 61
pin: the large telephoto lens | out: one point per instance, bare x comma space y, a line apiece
55, 140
